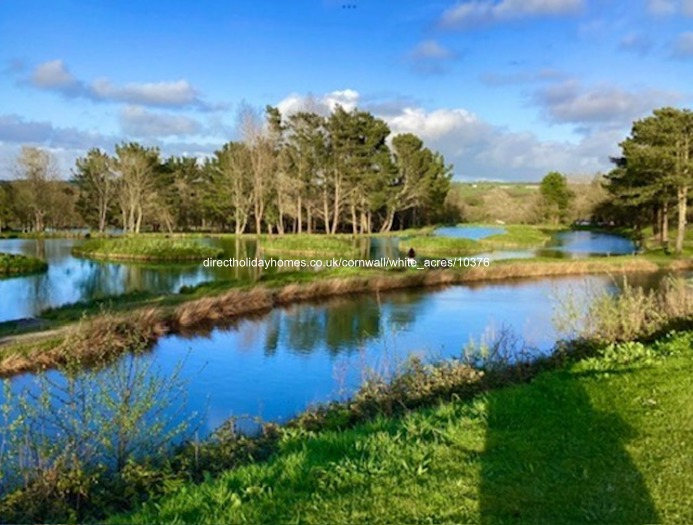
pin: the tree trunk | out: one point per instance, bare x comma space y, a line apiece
682, 196
326, 211
665, 225
299, 206
387, 224
139, 220
337, 206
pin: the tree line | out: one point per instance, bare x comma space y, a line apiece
298, 173
653, 176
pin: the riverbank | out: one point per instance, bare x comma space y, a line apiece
13, 265
146, 249
220, 302
514, 236
406, 429
606, 439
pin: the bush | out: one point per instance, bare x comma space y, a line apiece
13, 264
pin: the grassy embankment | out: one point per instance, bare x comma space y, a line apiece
604, 440
598, 432
515, 236
221, 302
149, 249
14, 264
321, 246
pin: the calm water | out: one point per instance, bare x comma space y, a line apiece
70, 279
468, 232
578, 244
563, 245
275, 366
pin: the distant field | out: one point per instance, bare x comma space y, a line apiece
517, 203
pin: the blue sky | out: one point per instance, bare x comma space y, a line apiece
505, 89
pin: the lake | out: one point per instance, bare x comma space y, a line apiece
274, 366
70, 279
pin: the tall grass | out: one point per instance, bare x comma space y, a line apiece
151, 249
14, 264
310, 245
70, 446
630, 314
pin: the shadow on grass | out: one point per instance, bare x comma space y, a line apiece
550, 457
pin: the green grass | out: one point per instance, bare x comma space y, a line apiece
515, 236
605, 440
434, 245
13, 264
521, 235
310, 245
150, 249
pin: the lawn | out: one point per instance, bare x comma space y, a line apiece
605, 440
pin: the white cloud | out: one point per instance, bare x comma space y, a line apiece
570, 102
475, 12
323, 105
55, 76
670, 7
16, 130
347, 98
176, 93
431, 50
436, 124
429, 57
478, 149
138, 122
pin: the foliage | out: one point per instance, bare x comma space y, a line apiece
37, 198
541, 452
518, 235
14, 264
146, 249
69, 443
314, 245
556, 197
655, 171
97, 184
624, 316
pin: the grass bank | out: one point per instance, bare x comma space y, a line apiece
529, 441
515, 236
14, 264
150, 249
219, 302
305, 245
603, 440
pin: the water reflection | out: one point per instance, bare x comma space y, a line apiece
468, 232
70, 279
579, 244
276, 364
